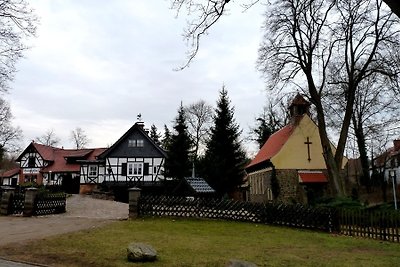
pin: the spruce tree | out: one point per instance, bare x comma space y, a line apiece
167, 138
224, 157
154, 134
178, 165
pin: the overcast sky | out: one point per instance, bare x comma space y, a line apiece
97, 64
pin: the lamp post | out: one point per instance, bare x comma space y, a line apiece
392, 174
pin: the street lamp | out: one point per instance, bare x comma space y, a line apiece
392, 174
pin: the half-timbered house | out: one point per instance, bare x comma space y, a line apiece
135, 159
49, 165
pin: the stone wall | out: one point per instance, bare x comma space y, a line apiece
259, 182
291, 191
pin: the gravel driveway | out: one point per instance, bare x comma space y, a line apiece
83, 212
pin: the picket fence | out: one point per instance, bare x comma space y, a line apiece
363, 223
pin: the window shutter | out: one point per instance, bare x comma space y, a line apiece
123, 169
146, 169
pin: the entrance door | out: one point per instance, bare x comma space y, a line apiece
70, 185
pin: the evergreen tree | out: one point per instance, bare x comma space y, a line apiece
155, 135
177, 164
224, 157
167, 138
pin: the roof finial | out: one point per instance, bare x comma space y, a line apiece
139, 117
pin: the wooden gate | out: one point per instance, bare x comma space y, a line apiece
17, 202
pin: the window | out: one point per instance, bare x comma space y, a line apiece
136, 143
155, 169
135, 168
131, 143
93, 170
31, 162
139, 143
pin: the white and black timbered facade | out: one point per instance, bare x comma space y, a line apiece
135, 158
32, 162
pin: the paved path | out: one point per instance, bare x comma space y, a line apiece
83, 212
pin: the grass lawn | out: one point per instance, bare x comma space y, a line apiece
183, 242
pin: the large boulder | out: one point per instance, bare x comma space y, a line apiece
240, 263
140, 252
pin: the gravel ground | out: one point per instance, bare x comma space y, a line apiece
83, 212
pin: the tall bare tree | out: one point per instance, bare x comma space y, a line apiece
199, 118
49, 138
367, 69
207, 13
79, 138
9, 135
301, 42
17, 21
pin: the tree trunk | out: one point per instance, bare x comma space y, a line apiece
360, 137
331, 165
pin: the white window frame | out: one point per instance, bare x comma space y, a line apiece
135, 169
93, 171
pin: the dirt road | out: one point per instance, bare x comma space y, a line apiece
83, 212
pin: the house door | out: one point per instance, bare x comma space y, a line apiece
70, 185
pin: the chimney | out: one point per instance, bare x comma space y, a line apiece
140, 124
396, 144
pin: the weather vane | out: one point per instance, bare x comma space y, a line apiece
139, 117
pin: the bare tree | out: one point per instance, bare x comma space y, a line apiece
207, 13
79, 138
367, 69
199, 118
17, 22
9, 135
49, 138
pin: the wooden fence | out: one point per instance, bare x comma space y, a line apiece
19, 201
51, 203
363, 223
382, 225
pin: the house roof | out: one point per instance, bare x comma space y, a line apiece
10, 173
46, 152
58, 157
199, 185
60, 163
391, 152
312, 177
136, 127
273, 145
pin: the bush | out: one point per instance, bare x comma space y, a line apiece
340, 202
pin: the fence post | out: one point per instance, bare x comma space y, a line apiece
134, 194
6, 198
29, 203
